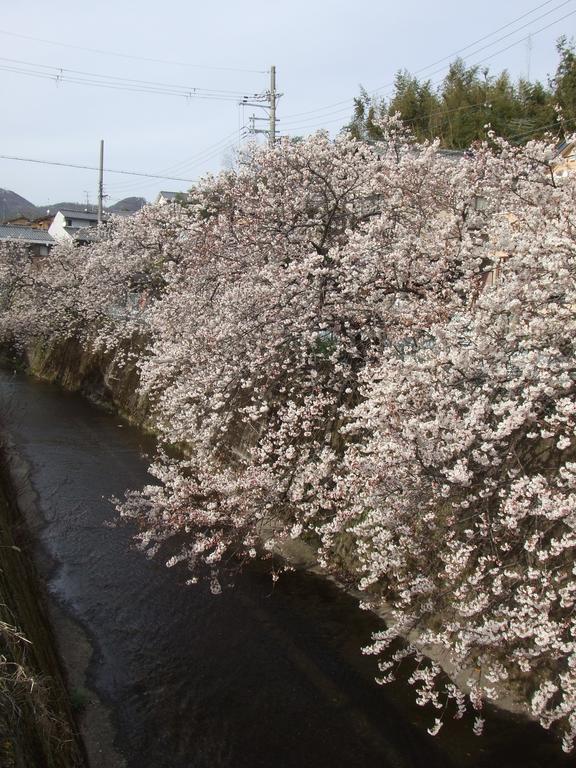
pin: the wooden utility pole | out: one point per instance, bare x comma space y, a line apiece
272, 131
265, 101
101, 182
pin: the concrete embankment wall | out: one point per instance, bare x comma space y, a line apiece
108, 378
37, 726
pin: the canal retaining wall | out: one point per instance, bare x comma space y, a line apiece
37, 724
108, 378
111, 380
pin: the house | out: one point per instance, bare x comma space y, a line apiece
69, 226
166, 197
43, 222
66, 225
37, 222
37, 240
19, 221
563, 161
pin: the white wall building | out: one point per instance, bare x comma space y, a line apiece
74, 226
166, 197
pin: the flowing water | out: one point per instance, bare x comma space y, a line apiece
261, 675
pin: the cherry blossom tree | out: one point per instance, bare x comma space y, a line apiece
370, 348
268, 321
97, 293
36, 302
463, 488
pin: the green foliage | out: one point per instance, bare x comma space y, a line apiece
469, 99
564, 82
366, 110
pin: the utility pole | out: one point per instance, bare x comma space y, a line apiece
268, 102
272, 131
101, 182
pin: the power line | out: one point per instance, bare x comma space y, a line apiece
209, 151
57, 79
535, 32
533, 130
444, 58
207, 154
131, 56
516, 42
481, 61
126, 188
61, 71
92, 168
494, 42
58, 76
462, 108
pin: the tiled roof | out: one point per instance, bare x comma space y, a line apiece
87, 234
169, 196
564, 150
86, 215
26, 234
17, 217
448, 154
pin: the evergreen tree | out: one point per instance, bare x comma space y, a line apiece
564, 82
469, 99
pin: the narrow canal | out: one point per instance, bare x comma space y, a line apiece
258, 676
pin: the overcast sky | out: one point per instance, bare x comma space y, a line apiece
323, 50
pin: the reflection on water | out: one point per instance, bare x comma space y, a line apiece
259, 676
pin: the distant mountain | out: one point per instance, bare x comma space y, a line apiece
46, 210
131, 204
13, 205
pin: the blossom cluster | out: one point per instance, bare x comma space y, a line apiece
342, 344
